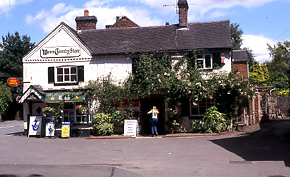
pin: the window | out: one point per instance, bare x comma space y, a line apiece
66, 75
81, 118
68, 113
199, 108
204, 61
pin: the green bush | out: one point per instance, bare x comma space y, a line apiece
103, 124
213, 122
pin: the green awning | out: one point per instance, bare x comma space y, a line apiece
56, 97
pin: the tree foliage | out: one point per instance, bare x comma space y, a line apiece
259, 74
237, 42
5, 97
279, 67
236, 36
14, 48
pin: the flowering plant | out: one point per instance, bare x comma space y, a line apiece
81, 109
284, 93
173, 111
48, 110
121, 115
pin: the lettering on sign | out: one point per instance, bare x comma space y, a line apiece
130, 128
60, 52
12, 81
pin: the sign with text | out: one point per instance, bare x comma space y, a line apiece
130, 128
12, 81
65, 130
35, 125
58, 52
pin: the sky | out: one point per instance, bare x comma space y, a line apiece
262, 21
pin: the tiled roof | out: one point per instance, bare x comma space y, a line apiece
240, 55
205, 35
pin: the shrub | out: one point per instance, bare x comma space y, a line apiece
119, 116
103, 124
213, 122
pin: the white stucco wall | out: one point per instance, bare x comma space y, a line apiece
118, 67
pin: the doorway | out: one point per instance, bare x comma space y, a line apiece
146, 106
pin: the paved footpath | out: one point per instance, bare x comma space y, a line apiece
232, 155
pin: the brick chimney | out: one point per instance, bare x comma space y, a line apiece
183, 9
86, 22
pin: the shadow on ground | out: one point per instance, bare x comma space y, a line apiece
270, 143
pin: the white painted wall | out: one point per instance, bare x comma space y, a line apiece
118, 67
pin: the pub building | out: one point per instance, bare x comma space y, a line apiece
68, 59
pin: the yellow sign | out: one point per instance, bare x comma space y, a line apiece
65, 130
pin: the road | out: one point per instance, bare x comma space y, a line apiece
11, 127
232, 155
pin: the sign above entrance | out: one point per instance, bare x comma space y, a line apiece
56, 97
59, 52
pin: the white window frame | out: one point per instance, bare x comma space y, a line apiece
63, 74
202, 57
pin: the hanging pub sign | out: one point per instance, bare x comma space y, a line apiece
13, 82
59, 52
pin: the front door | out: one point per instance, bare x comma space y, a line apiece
146, 106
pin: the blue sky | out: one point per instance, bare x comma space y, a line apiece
262, 21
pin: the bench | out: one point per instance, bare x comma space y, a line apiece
238, 125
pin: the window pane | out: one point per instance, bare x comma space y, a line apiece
66, 78
73, 70
66, 70
59, 71
207, 61
73, 77
59, 78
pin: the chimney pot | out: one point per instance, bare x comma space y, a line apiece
86, 13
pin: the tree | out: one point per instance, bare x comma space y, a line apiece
14, 48
279, 67
5, 98
259, 74
237, 42
236, 36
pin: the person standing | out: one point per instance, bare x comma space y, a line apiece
154, 121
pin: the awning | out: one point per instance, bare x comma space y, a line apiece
56, 97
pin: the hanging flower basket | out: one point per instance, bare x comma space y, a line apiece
48, 111
81, 109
